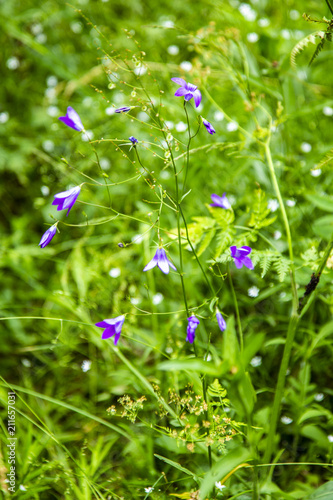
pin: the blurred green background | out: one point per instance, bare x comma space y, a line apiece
52, 56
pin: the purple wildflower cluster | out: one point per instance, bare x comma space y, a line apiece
66, 200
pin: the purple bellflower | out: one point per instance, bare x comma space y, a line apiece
66, 199
220, 201
124, 109
221, 321
48, 235
133, 140
72, 119
208, 126
112, 327
240, 256
161, 260
191, 327
188, 90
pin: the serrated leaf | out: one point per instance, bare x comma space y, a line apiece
223, 217
224, 240
205, 242
282, 266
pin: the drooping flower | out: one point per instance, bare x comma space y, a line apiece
240, 256
161, 260
191, 327
124, 109
208, 126
220, 201
48, 235
133, 140
188, 90
72, 119
66, 199
221, 321
112, 327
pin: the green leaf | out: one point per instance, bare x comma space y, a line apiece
194, 364
323, 202
232, 460
177, 466
324, 226
324, 492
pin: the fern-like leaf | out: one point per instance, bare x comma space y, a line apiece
325, 161
282, 266
224, 240
301, 45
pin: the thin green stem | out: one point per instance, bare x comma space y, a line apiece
187, 147
239, 324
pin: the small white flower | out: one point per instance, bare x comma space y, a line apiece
282, 295
273, 205
168, 24
219, 485
135, 301
86, 365
53, 111
137, 239
252, 37
50, 93
186, 66
253, 291
45, 190
105, 163
169, 350
306, 147
256, 361
330, 438
41, 38
51, 81
12, 63
143, 117
247, 12
173, 50
36, 28
181, 127
115, 272
4, 117
209, 357
316, 173
22, 488
110, 110
165, 174
232, 126
290, 203
277, 235
157, 298
76, 27
140, 70
218, 116
48, 146
319, 396
294, 14
264, 22
285, 34
286, 420
328, 111
149, 490
87, 136
26, 362
169, 124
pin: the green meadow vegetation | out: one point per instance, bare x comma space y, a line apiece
235, 402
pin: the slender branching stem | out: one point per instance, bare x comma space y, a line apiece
239, 324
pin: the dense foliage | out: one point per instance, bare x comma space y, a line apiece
243, 411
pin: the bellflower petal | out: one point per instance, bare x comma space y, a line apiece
124, 109
221, 321
209, 126
48, 235
240, 256
161, 260
220, 201
66, 199
188, 90
72, 119
191, 327
133, 140
112, 327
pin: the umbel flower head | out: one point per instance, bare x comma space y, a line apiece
72, 119
208, 126
188, 90
112, 327
191, 327
161, 260
66, 199
221, 321
220, 201
48, 235
240, 256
